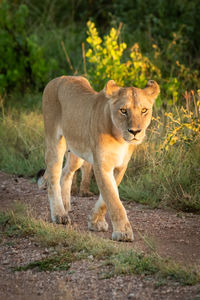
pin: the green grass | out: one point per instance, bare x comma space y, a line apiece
169, 179
71, 245
21, 142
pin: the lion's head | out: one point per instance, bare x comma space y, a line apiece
131, 109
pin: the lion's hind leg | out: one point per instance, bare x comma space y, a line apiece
55, 150
72, 164
86, 171
74, 187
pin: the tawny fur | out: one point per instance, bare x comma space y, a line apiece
100, 128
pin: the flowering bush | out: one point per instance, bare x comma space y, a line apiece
184, 127
106, 61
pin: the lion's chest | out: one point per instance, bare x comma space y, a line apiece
114, 155
121, 155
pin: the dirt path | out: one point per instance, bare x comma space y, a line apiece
166, 232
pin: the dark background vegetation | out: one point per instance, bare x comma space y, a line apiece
35, 29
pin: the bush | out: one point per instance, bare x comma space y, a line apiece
157, 21
106, 61
184, 128
22, 61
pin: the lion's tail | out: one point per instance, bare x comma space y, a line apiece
41, 179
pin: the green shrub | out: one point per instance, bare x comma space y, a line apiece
106, 61
152, 21
22, 61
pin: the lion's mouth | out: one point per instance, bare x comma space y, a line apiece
133, 140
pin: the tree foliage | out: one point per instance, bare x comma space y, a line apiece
22, 61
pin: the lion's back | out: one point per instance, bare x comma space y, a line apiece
75, 85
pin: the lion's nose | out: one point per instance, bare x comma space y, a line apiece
134, 132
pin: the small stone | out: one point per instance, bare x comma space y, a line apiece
131, 296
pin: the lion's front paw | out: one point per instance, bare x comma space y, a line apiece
123, 236
100, 225
64, 219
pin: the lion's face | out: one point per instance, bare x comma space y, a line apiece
131, 110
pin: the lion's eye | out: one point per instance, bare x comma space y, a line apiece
144, 110
123, 111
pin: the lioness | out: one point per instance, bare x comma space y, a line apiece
103, 129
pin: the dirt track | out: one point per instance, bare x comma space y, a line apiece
168, 233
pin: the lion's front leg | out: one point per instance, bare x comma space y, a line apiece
122, 230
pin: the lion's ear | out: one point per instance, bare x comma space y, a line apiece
111, 89
152, 90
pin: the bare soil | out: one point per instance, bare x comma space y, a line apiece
170, 234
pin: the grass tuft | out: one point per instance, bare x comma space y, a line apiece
130, 262
53, 263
